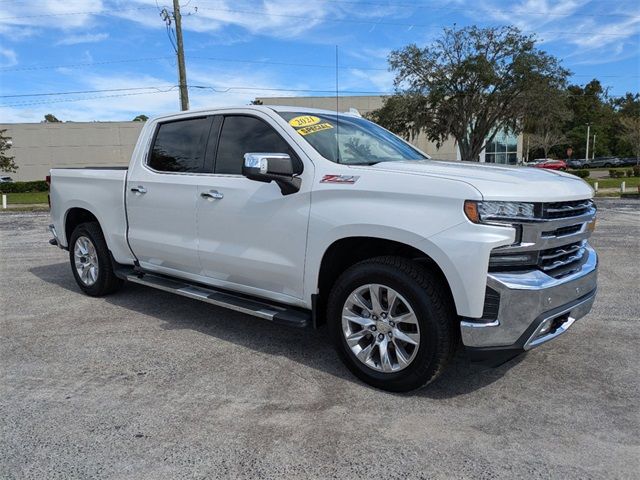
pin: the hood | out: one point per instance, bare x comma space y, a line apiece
499, 182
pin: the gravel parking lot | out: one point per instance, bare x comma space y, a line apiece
143, 384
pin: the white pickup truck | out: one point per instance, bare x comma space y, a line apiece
304, 217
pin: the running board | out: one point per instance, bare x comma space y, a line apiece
274, 313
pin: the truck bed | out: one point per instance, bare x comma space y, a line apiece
100, 191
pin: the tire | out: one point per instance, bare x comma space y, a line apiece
100, 281
425, 297
608, 165
586, 165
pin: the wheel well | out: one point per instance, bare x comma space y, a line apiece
75, 217
346, 252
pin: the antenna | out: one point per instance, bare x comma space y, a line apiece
337, 109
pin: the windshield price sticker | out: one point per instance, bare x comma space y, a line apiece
314, 128
304, 121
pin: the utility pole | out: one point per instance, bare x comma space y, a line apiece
182, 71
586, 157
178, 46
593, 153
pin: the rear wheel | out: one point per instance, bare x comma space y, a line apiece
90, 261
607, 165
392, 323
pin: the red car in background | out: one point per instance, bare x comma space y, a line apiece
549, 163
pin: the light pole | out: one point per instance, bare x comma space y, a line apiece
586, 157
593, 153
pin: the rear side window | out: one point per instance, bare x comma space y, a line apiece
180, 146
242, 135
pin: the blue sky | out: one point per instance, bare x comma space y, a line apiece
241, 49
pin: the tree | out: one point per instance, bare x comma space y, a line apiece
631, 134
546, 140
51, 118
141, 118
6, 162
547, 113
474, 82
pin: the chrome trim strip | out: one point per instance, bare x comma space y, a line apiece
465, 323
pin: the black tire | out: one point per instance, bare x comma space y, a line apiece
106, 281
586, 165
432, 306
607, 165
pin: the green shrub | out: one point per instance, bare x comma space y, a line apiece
24, 187
613, 173
629, 173
636, 170
581, 173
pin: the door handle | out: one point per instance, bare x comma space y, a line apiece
212, 194
139, 189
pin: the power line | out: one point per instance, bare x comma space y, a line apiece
299, 17
66, 100
236, 60
370, 3
379, 23
79, 92
219, 89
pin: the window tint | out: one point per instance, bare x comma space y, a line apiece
179, 146
242, 135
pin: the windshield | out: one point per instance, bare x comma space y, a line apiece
359, 141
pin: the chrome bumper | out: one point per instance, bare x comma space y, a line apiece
534, 307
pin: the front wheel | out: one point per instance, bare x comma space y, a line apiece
90, 261
392, 323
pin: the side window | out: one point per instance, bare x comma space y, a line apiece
242, 135
180, 146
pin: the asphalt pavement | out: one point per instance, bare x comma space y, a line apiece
146, 385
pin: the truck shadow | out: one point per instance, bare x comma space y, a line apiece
311, 348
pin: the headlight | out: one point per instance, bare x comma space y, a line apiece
482, 212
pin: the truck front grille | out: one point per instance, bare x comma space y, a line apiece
555, 243
566, 209
561, 261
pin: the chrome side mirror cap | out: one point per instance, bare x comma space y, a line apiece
272, 167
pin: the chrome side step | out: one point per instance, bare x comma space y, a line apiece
274, 313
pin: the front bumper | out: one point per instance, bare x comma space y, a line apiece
534, 308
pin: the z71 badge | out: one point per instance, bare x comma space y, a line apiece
348, 179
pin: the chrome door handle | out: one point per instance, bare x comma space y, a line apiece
139, 189
213, 194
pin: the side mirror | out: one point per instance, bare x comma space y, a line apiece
272, 167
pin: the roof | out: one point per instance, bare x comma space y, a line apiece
259, 108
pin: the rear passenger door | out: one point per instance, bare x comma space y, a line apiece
252, 238
161, 194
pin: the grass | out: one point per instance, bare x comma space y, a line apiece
26, 198
631, 182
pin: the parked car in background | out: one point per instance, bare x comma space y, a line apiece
6, 180
602, 162
549, 163
576, 163
627, 162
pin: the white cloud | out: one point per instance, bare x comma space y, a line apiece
85, 38
58, 14
9, 57
572, 23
